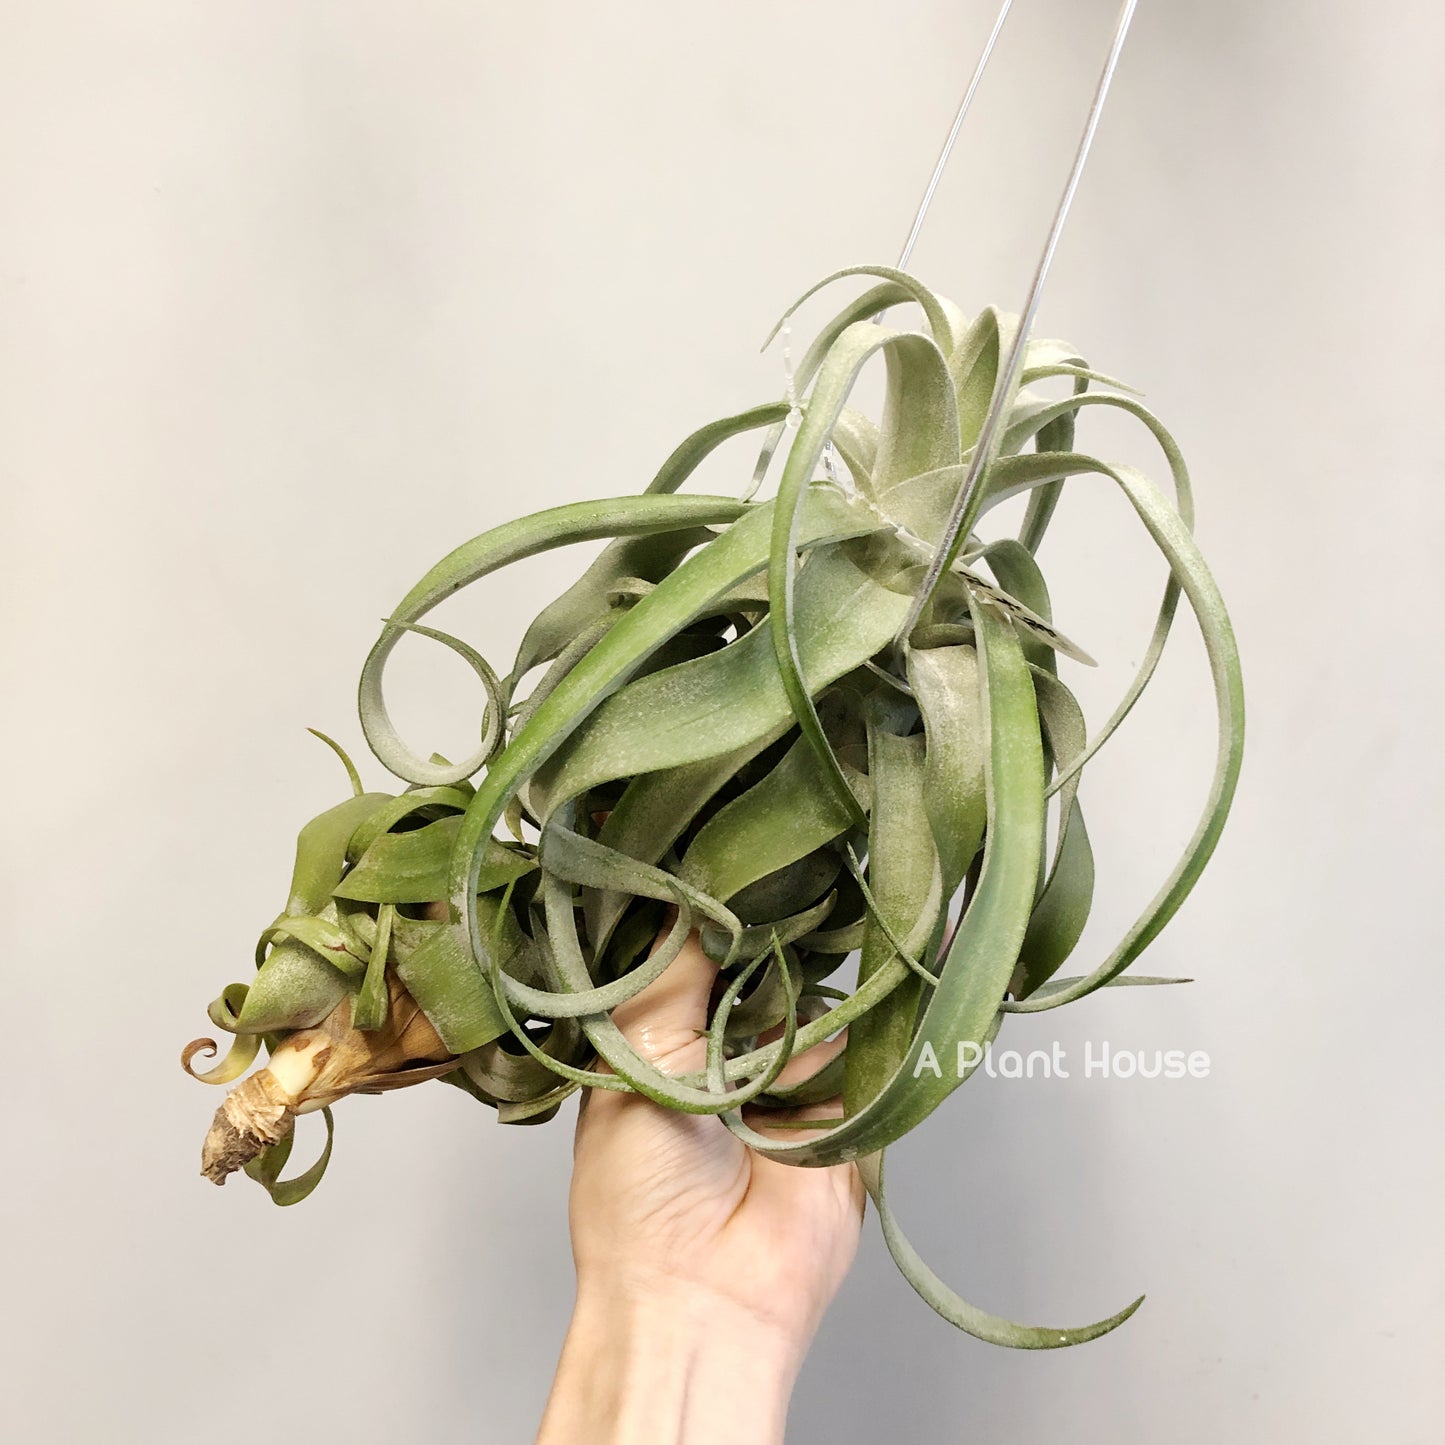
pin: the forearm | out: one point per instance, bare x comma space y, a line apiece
673, 1368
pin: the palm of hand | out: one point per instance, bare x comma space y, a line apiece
663, 1198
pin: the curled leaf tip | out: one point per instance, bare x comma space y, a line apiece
239, 1058
197, 1046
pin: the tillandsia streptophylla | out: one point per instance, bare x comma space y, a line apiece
747, 721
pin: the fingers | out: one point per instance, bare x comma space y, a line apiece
665, 1023
803, 1066
787, 1123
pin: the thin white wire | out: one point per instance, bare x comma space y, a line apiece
1004, 381
770, 444
952, 136
988, 434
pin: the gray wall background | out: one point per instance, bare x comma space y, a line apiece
295, 297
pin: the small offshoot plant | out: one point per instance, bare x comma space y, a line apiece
823, 725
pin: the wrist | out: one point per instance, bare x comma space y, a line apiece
668, 1365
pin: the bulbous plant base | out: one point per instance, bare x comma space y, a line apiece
313, 1068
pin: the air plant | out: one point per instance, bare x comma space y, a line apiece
826, 724
821, 726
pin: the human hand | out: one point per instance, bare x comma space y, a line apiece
703, 1268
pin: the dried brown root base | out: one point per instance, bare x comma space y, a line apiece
255, 1115
315, 1067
